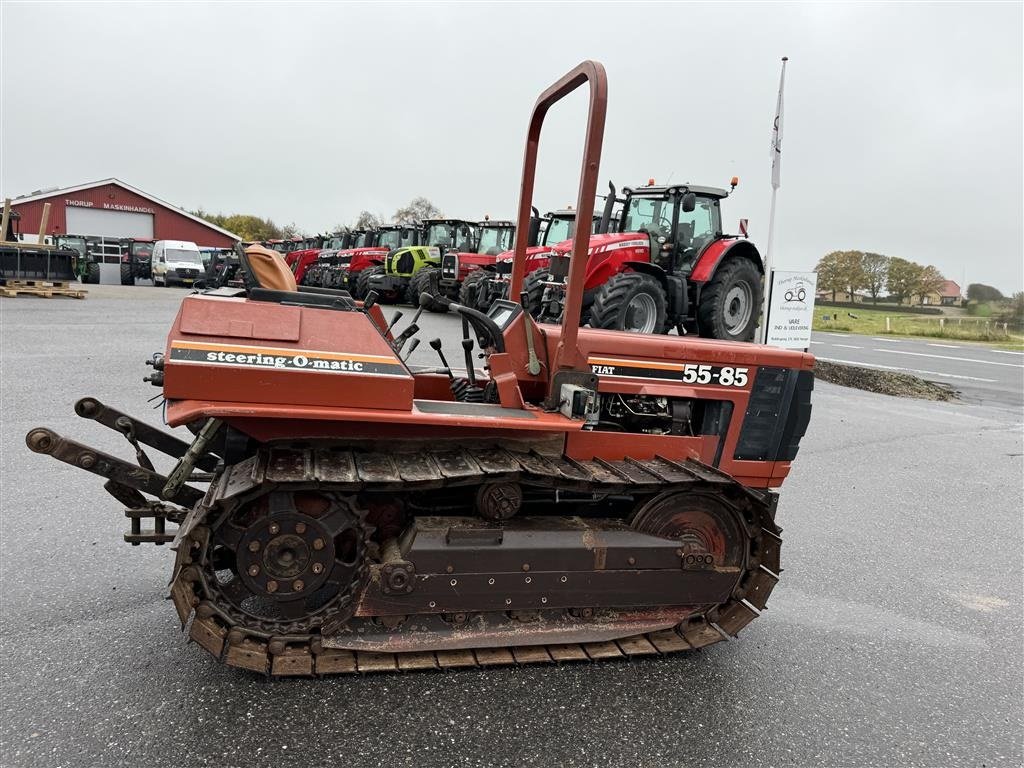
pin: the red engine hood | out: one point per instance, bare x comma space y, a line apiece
608, 242
374, 251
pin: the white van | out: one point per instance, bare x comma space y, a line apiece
176, 262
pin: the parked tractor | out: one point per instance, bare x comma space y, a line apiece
402, 276
136, 260
493, 239
489, 282
586, 494
308, 268
353, 269
668, 266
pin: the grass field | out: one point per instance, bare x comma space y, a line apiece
873, 322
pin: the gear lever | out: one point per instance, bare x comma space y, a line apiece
436, 345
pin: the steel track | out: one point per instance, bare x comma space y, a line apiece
215, 628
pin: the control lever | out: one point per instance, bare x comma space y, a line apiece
412, 346
397, 316
436, 344
404, 336
467, 348
411, 330
370, 299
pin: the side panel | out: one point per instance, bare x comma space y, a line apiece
231, 350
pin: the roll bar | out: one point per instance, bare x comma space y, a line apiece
567, 355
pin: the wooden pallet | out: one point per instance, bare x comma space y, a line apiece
42, 288
8, 282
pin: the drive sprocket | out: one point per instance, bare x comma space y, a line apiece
286, 562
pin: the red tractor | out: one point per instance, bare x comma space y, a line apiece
304, 254
309, 267
486, 277
493, 239
668, 266
586, 494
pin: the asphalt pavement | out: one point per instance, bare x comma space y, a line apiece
981, 373
893, 638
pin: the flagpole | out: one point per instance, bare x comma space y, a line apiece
762, 333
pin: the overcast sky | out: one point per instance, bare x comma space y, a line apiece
903, 123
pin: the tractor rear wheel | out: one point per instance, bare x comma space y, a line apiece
420, 284
127, 278
629, 301
472, 289
533, 286
730, 302
92, 273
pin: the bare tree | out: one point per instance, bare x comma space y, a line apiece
419, 208
367, 220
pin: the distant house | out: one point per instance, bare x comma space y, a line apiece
947, 296
843, 297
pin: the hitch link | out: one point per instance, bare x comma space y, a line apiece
183, 470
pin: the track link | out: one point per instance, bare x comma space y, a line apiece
333, 470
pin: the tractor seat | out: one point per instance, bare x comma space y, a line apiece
268, 269
275, 282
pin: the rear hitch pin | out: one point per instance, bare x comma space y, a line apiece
184, 467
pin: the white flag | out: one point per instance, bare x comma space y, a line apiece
776, 150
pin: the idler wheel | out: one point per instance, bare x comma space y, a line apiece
709, 532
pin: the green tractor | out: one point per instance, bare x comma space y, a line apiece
401, 277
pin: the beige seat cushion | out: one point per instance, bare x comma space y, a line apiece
270, 269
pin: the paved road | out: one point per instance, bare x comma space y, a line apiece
980, 373
894, 637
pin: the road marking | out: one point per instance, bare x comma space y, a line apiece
817, 342
905, 370
848, 346
947, 357
946, 346
891, 341
1000, 351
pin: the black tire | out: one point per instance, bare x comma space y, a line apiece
420, 283
127, 277
384, 297
471, 289
361, 281
630, 301
731, 301
533, 286
92, 273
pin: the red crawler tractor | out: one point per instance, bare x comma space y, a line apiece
590, 494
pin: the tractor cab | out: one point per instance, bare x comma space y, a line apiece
449, 234
679, 221
495, 237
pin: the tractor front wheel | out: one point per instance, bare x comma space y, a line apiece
92, 273
127, 278
361, 281
629, 301
730, 302
471, 292
533, 286
420, 284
